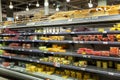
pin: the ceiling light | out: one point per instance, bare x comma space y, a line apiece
37, 4
27, 8
67, 0
46, 3
57, 9
90, 5
11, 5
17, 17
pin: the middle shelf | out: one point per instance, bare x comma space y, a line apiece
65, 54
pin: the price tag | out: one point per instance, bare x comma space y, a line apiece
53, 33
72, 32
19, 50
12, 49
83, 69
70, 42
104, 32
31, 60
38, 61
10, 57
52, 52
44, 33
30, 50
19, 40
46, 41
89, 56
29, 33
85, 56
33, 40
23, 50
30, 24
4, 26
76, 42
81, 42
110, 73
23, 40
70, 20
57, 64
56, 33
105, 42
45, 52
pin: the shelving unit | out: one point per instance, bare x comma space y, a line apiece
91, 69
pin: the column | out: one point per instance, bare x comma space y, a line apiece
102, 2
46, 7
0, 11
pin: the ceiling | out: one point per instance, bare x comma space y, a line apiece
20, 5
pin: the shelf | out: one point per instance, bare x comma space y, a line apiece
66, 33
65, 41
112, 18
17, 75
64, 54
37, 74
110, 72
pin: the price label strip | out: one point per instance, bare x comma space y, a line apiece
57, 64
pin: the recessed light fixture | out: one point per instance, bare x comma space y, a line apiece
37, 4
90, 5
11, 5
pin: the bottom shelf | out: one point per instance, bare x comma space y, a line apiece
37, 74
16, 75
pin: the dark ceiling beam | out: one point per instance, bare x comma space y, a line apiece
22, 3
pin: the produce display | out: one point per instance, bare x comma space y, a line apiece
93, 12
54, 48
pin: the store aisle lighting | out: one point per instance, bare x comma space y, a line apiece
90, 5
11, 5
57, 9
37, 4
27, 8
17, 17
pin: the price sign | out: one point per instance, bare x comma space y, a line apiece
69, 41
85, 56
81, 42
30, 24
30, 50
104, 32
52, 52
70, 20
110, 73
57, 64
10, 57
105, 42
31, 60
38, 61
83, 69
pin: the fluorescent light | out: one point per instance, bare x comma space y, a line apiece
27, 8
67, 0
37, 4
11, 5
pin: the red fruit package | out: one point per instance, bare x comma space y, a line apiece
114, 51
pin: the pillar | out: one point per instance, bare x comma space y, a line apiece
102, 2
0, 11
46, 7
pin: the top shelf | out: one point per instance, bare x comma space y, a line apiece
112, 18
